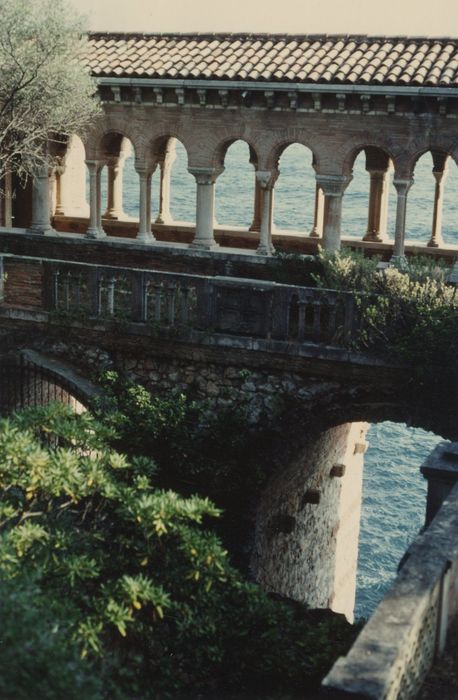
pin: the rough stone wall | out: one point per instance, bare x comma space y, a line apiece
262, 390
307, 523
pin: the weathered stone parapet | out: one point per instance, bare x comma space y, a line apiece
399, 644
441, 471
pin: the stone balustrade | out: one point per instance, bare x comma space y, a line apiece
197, 308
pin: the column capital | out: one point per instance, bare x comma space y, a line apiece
267, 178
143, 167
205, 176
403, 185
94, 165
440, 175
333, 185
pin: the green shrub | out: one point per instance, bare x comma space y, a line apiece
133, 577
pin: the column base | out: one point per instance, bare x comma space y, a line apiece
255, 227
43, 229
375, 237
314, 233
265, 250
399, 262
203, 245
434, 243
163, 220
145, 238
95, 233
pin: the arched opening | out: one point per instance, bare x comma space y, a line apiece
393, 506
119, 189
450, 213
28, 379
235, 188
366, 211
432, 205
308, 517
178, 186
70, 195
295, 190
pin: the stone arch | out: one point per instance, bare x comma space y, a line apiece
424, 143
374, 179
69, 193
237, 161
298, 202
371, 145
36, 379
160, 154
103, 129
279, 146
429, 171
155, 148
221, 149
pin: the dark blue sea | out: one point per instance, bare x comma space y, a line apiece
394, 490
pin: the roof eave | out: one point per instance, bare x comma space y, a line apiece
344, 88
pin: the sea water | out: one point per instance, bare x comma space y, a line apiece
394, 490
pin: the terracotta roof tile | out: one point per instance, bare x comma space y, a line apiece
287, 58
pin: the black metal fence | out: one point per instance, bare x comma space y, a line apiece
24, 384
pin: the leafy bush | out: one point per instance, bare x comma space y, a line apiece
133, 579
196, 449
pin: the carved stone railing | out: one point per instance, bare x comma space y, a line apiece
217, 304
182, 305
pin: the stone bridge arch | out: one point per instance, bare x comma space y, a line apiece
29, 378
299, 536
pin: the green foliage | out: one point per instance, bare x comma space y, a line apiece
45, 91
347, 271
140, 594
407, 315
37, 656
196, 450
292, 268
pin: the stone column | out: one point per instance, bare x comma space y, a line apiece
333, 187
41, 214
144, 234
115, 167
205, 203
440, 172
378, 202
256, 224
317, 228
402, 188
95, 229
6, 201
59, 208
266, 179
165, 165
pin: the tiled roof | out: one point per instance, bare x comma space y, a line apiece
284, 58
